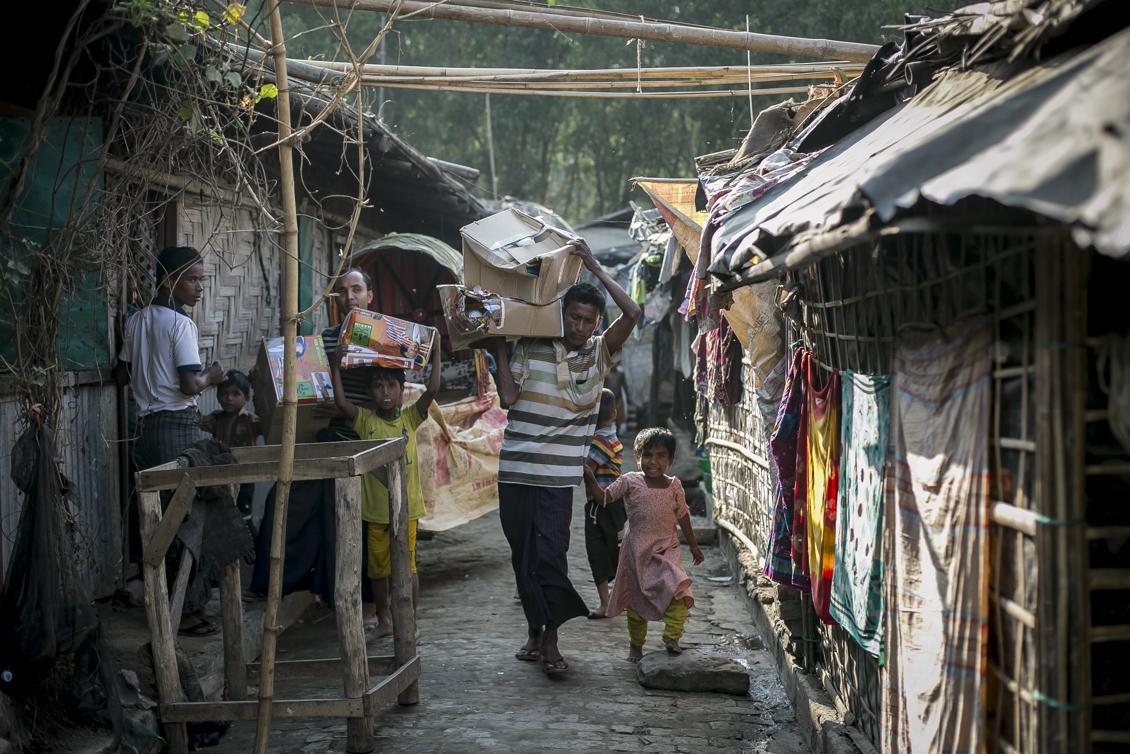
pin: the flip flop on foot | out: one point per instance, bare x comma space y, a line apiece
526, 654
598, 614
672, 645
201, 627
554, 667
635, 654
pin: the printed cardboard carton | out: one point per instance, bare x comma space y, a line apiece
474, 314
315, 386
373, 339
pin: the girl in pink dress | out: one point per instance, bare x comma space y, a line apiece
650, 581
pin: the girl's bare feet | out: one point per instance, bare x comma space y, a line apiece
635, 653
672, 646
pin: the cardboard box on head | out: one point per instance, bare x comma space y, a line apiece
519, 257
474, 314
373, 339
315, 386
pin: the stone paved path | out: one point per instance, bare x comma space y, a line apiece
474, 695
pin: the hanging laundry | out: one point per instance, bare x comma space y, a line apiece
783, 443
723, 365
857, 581
823, 482
800, 483
937, 544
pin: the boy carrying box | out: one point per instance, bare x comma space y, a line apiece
388, 420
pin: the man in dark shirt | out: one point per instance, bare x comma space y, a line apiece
354, 290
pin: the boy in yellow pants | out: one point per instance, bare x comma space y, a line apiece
386, 390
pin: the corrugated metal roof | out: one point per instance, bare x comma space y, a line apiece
1053, 139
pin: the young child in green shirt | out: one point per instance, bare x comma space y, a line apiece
386, 420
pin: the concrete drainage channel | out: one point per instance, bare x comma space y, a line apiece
818, 720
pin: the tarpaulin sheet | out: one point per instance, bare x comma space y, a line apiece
1053, 139
675, 200
458, 454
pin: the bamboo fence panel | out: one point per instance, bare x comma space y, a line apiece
853, 304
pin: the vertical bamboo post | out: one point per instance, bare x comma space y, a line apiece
400, 583
1074, 538
289, 296
160, 627
490, 151
231, 615
347, 607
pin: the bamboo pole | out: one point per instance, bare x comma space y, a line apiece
683, 94
651, 31
490, 150
582, 84
289, 296
413, 71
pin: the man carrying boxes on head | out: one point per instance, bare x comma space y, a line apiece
553, 387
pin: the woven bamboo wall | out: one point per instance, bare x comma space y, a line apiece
853, 305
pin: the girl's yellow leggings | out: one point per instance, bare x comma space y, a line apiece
673, 621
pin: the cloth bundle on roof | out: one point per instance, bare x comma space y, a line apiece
785, 439
857, 583
937, 543
823, 482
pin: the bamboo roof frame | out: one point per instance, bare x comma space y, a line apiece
814, 70
684, 94
657, 31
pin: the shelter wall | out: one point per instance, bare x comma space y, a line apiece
88, 442
1047, 493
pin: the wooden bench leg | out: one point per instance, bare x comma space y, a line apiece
347, 608
400, 583
160, 627
231, 614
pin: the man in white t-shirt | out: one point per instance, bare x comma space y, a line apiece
160, 357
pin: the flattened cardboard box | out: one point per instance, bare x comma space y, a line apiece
315, 386
518, 257
475, 315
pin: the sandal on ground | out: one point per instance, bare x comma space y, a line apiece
554, 667
596, 615
528, 655
200, 628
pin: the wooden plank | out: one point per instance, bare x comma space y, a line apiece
400, 582
179, 506
347, 607
1013, 517
389, 688
242, 473
378, 665
378, 457
180, 587
295, 709
1110, 633
306, 451
160, 628
231, 615
1109, 579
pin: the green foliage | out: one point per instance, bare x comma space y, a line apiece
576, 155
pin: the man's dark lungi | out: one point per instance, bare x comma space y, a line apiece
536, 523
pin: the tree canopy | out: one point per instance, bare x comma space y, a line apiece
576, 155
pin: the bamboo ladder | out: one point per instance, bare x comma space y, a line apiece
344, 462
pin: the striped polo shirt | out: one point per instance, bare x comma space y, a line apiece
551, 424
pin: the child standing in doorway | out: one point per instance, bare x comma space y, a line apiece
237, 427
603, 524
387, 420
651, 583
